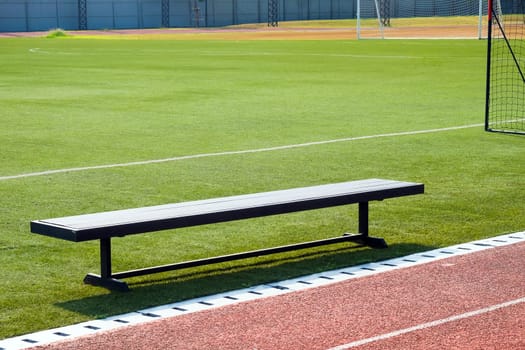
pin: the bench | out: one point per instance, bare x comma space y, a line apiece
106, 225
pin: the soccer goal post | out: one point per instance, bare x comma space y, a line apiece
379, 19
505, 95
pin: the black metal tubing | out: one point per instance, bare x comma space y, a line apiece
492, 15
105, 279
109, 283
238, 256
105, 257
111, 280
363, 218
489, 55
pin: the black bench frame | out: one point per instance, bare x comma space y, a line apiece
107, 225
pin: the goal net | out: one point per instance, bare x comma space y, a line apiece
378, 19
505, 102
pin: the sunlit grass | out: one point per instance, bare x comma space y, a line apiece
74, 103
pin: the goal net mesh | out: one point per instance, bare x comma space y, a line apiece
505, 103
421, 19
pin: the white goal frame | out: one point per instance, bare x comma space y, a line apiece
369, 10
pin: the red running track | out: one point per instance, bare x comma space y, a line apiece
473, 301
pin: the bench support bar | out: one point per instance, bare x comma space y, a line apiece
105, 278
109, 283
113, 282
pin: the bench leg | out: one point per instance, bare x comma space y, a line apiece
374, 242
105, 278
105, 258
363, 219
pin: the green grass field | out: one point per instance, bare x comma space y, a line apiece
73, 103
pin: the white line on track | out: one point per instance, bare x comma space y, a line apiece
229, 153
184, 307
431, 324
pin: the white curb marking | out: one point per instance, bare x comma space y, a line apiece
273, 289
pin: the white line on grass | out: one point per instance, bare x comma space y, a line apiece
431, 324
238, 53
37, 50
229, 153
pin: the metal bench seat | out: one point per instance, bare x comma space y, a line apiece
106, 225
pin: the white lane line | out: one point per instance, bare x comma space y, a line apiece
255, 292
229, 153
431, 324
